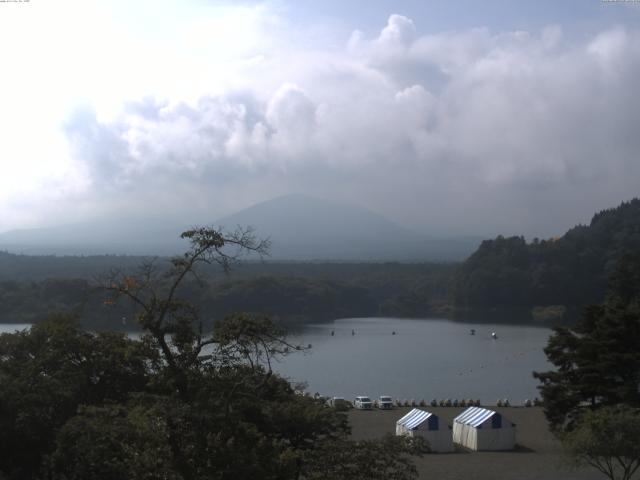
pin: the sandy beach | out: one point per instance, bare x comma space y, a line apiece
538, 455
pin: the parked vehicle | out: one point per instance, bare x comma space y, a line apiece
337, 402
385, 402
363, 403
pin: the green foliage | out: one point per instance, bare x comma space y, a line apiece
389, 458
177, 404
608, 439
293, 299
570, 270
50, 370
293, 293
597, 360
111, 442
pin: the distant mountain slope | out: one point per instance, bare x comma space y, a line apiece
306, 228
571, 270
115, 237
301, 228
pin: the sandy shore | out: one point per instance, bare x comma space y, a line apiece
538, 455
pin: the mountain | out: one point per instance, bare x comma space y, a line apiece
132, 236
306, 228
301, 228
572, 270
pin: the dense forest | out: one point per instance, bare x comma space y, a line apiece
571, 270
291, 292
504, 273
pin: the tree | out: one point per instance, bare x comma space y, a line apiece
598, 359
47, 372
373, 460
180, 403
608, 439
174, 323
113, 441
231, 416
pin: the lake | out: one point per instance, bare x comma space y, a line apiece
425, 359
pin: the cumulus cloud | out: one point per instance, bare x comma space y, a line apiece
457, 132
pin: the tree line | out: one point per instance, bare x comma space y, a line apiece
413, 290
571, 270
183, 402
504, 273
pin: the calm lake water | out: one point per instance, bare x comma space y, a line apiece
425, 359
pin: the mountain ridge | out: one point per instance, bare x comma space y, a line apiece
301, 228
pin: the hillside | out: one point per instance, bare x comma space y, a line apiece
301, 228
114, 236
307, 228
571, 270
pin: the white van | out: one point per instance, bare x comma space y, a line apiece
363, 403
337, 402
385, 402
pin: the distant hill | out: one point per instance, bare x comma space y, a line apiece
98, 237
306, 228
571, 270
301, 228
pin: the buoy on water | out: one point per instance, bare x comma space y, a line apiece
472, 331
494, 336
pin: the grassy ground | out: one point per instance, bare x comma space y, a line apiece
538, 454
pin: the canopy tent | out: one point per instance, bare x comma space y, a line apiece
426, 425
482, 429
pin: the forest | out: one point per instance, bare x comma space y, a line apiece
502, 274
291, 292
571, 270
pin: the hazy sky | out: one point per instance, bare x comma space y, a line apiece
459, 117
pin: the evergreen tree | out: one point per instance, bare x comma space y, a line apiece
597, 360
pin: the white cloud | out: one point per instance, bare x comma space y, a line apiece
469, 131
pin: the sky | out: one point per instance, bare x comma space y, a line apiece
449, 117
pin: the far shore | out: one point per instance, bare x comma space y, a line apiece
538, 454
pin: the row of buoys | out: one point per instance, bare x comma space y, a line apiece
455, 403
494, 335
501, 402
353, 332
438, 403
507, 358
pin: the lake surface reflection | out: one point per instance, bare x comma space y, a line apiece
425, 359
13, 327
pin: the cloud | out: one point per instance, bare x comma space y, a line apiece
463, 132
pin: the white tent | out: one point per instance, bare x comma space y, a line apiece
481, 429
426, 425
